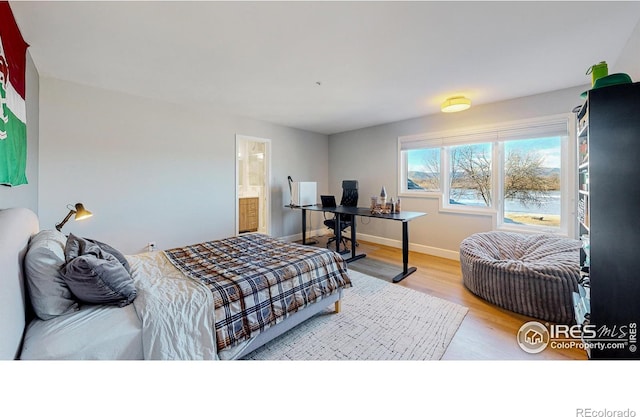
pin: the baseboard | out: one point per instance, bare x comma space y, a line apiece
428, 250
309, 235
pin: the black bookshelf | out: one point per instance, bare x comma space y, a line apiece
609, 215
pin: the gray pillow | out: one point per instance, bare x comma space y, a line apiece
99, 280
77, 244
95, 276
49, 295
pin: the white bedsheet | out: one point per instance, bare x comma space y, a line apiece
177, 312
171, 318
93, 332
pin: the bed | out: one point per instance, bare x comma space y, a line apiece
212, 300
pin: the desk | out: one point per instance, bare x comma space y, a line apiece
404, 216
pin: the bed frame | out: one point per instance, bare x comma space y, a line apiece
17, 225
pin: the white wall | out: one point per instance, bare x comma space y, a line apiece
27, 195
153, 171
371, 156
629, 61
118, 154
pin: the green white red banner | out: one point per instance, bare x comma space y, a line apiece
13, 121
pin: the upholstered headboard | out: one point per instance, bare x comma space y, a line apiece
17, 225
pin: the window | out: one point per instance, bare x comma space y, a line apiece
470, 178
517, 172
423, 172
532, 186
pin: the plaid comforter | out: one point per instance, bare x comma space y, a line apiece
258, 281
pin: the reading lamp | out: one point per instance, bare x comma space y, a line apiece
79, 211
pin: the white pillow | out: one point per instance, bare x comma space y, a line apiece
50, 296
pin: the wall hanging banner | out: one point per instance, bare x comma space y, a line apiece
13, 121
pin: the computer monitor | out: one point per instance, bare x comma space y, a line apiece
303, 193
328, 200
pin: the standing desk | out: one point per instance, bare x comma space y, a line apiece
404, 216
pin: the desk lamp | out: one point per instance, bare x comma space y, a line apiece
79, 211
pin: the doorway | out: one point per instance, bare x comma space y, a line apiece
253, 188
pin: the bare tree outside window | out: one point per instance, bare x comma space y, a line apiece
525, 179
532, 182
531, 179
424, 171
470, 175
529, 176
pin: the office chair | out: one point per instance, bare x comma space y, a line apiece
349, 199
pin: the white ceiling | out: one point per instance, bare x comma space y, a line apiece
375, 62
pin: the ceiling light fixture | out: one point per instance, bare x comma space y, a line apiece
454, 104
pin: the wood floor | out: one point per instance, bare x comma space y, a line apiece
487, 332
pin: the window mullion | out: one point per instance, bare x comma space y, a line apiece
445, 180
404, 171
500, 178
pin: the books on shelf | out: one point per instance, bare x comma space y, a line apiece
583, 151
583, 209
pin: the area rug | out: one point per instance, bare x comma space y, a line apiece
378, 321
376, 268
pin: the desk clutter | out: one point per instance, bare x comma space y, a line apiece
379, 205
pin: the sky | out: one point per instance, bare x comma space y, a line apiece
549, 147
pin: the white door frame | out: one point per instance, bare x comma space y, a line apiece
267, 180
